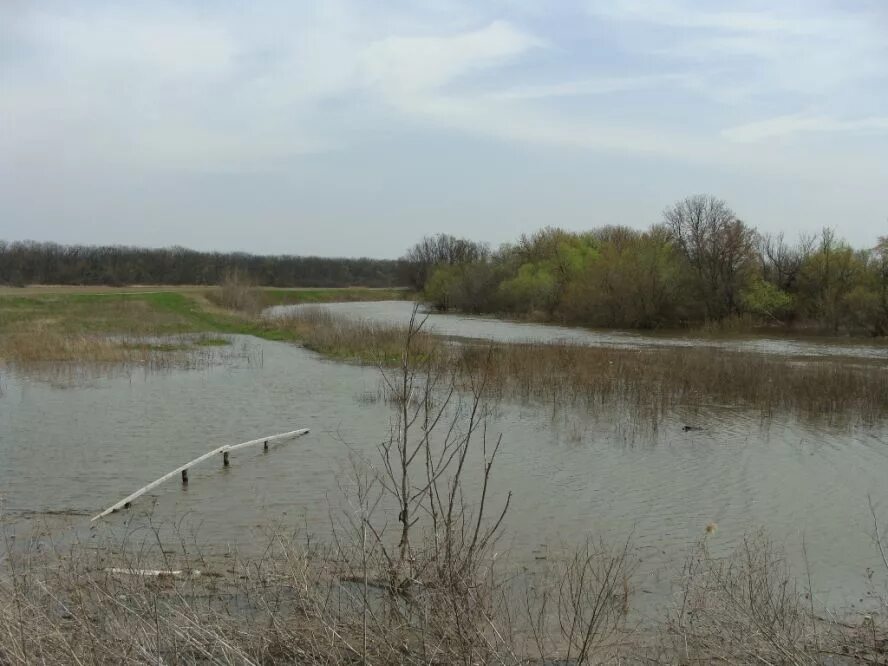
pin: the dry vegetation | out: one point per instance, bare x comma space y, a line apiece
43, 345
652, 381
142, 604
353, 339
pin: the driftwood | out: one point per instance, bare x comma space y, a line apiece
183, 470
152, 573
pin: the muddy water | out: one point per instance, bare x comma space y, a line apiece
78, 447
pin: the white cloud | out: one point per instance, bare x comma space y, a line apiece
782, 126
411, 65
145, 89
770, 49
171, 46
677, 15
159, 87
604, 85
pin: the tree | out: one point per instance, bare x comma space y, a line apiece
546, 263
781, 263
634, 282
718, 247
420, 260
766, 299
827, 277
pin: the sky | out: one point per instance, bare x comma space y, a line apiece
354, 128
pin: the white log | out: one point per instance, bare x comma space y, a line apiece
222, 449
152, 573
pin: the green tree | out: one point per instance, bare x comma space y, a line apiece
767, 300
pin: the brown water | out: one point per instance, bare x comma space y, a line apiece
80, 447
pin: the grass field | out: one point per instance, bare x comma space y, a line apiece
39, 323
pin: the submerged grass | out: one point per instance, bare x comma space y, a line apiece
112, 328
44, 349
351, 339
655, 381
650, 381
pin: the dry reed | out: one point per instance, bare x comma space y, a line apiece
649, 381
352, 339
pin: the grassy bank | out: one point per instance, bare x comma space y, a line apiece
73, 324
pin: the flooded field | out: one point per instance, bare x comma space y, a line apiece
71, 448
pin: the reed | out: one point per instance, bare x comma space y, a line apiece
650, 381
659, 380
129, 598
350, 339
50, 353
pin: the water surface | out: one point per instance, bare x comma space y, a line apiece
573, 473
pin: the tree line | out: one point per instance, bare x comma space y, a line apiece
700, 264
30, 262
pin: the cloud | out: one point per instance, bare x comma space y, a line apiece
677, 15
789, 125
604, 85
165, 45
157, 86
766, 50
412, 65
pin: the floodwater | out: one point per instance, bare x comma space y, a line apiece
486, 328
77, 447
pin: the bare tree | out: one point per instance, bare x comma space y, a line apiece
718, 247
781, 262
442, 249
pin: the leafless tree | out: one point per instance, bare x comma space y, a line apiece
718, 247
781, 262
442, 249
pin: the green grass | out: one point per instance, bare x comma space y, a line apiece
296, 296
153, 314
77, 314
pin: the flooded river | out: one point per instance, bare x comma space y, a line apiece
78, 446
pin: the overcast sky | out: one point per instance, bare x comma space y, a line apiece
354, 128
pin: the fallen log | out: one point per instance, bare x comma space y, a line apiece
152, 573
183, 470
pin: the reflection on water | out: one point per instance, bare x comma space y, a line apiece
508, 331
574, 472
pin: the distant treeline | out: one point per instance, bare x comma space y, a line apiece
28, 262
700, 265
